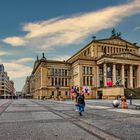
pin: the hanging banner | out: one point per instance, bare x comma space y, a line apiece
74, 89
85, 89
109, 83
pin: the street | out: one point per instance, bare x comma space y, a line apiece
28, 119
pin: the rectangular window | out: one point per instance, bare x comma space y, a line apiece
83, 80
52, 81
59, 82
125, 72
108, 49
90, 70
62, 72
53, 71
66, 93
66, 82
62, 81
59, 93
101, 71
83, 69
87, 70
66, 72
88, 50
52, 93
134, 73
90, 80
55, 81
59, 71
87, 80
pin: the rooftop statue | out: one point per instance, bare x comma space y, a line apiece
115, 34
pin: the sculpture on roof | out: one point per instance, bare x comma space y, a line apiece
115, 33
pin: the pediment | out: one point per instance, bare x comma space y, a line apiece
117, 41
35, 64
126, 55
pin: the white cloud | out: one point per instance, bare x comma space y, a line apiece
60, 57
14, 41
16, 70
25, 59
4, 53
74, 29
136, 28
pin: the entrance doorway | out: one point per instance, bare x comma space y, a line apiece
100, 94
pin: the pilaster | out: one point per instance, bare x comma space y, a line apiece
104, 67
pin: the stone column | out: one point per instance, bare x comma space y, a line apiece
97, 77
80, 77
114, 74
104, 67
138, 76
131, 76
122, 74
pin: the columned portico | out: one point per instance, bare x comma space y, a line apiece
122, 74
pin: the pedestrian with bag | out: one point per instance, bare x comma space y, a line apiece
81, 103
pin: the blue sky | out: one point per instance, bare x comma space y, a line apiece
59, 29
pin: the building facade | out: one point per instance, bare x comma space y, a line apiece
102, 69
7, 89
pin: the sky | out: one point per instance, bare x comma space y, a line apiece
59, 28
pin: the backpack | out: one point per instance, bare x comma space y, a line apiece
80, 100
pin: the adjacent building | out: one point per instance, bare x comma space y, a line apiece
7, 89
101, 69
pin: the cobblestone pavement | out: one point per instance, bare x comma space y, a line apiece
57, 120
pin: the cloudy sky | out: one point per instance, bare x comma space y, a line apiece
59, 28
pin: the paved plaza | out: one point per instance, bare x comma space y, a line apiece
24, 119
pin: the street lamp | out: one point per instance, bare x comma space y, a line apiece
57, 88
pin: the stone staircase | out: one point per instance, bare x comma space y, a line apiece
135, 93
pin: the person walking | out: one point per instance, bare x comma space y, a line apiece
130, 98
81, 103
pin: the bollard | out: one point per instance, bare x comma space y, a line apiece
123, 103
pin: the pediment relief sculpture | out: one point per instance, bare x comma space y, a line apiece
116, 42
126, 55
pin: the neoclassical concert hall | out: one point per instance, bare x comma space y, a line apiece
103, 68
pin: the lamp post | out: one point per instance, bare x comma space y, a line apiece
57, 88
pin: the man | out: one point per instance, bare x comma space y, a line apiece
130, 98
81, 103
